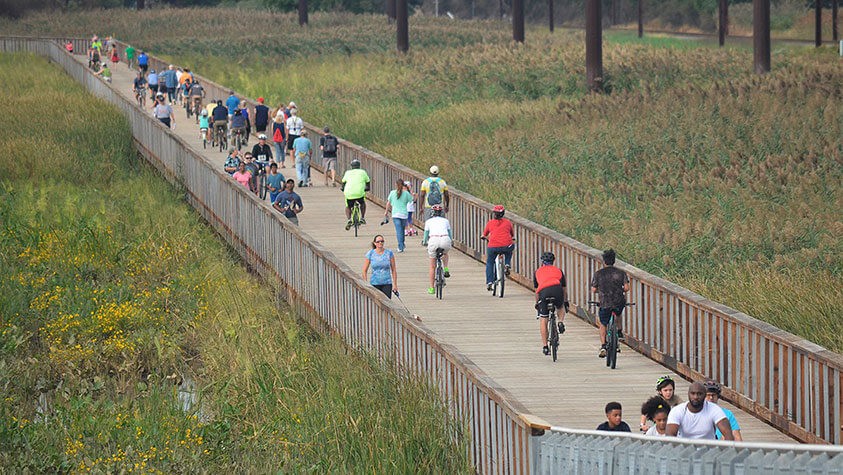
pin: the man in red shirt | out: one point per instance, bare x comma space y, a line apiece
549, 281
499, 234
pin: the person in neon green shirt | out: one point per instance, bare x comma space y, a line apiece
130, 56
355, 184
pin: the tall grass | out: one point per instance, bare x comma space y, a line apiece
116, 299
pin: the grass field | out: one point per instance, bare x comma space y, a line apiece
692, 167
114, 292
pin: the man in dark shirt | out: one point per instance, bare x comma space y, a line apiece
613, 419
220, 117
611, 284
261, 116
289, 203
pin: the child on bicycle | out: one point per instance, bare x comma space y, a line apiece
204, 125
437, 235
550, 281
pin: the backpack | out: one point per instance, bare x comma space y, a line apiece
434, 196
330, 144
278, 136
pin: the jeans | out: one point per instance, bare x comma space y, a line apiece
400, 225
491, 255
303, 169
279, 152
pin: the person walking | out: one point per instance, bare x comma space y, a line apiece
279, 133
130, 56
303, 149
295, 126
434, 191
261, 116
397, 202
274, 182
289, 202
163, 111
143, 62
382, 262
698, 418
328, 145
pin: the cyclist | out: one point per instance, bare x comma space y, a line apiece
220, 116
262, 151
712, 394
550, 281
204, 125
499, 233
238, 124
143, 62
196, 93
139, 85
355, 184
294, 126
437, 235
434, 190
665, 389
611, 284
152, 82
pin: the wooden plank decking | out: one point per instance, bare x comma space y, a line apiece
498, 335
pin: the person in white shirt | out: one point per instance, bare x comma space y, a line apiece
437, 235
698, 418
294, 128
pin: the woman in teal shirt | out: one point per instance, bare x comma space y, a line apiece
382, 262
397, 202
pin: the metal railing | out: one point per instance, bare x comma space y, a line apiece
589, 451
319, 286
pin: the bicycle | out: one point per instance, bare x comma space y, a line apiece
237, 137
356, 218
552, 328
140, 97
612, 343
439, 273
260, 179
197, 107
500, 272
204, 134
220, 138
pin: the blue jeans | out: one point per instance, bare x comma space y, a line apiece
303, 169
279, 152
400, 224
491, 255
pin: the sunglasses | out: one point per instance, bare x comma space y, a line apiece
379, 241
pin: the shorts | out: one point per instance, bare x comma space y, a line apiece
292, 138
329, 163
438, 242
385, 288
349, 203
554, 291
260, 127
144, 67
605, 314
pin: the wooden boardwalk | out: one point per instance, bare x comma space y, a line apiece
499, 335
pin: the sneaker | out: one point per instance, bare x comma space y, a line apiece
447, 273
362, 221
507, 269
400, 251
301, 183
561, 327
490, 287
431, 290
602, 353
546, 350
620, 337
348, 225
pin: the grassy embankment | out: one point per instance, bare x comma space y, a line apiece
114, 291
693, 167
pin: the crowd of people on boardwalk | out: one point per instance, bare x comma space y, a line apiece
664, 414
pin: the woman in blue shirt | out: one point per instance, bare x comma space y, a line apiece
382, 263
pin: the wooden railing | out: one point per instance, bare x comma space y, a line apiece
793, 384
320, 287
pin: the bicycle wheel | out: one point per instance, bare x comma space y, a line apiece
554, 334
502, 279
612, 344
355, 218
439, 279
204, 141
262, 185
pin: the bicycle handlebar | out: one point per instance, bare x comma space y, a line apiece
595, 303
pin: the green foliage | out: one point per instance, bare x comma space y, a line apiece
130, 338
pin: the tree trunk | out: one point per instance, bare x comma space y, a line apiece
818, 27
723, 22
640, 18
390, 10
518, 20
402, 26
141, 4
302, 12
594, 45
761, 35
550, 14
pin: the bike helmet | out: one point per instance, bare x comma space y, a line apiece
438, 210
548, 258
151, 70
498, 211
204, 112
355, 163
262, 137
664, 381
712, 386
